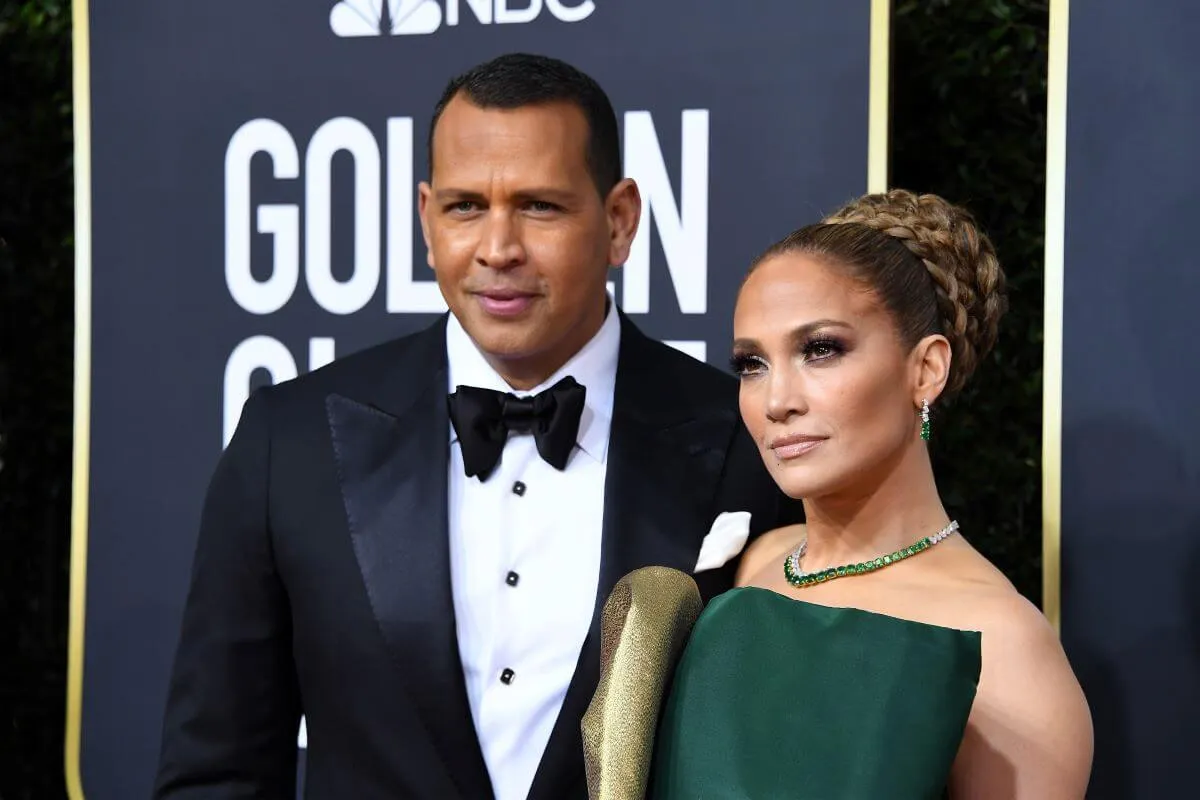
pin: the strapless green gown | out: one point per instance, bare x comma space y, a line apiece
780, 698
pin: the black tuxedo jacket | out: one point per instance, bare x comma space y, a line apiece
321, 580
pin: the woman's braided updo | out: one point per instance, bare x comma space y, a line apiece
926, 259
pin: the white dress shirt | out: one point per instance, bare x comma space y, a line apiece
525, 562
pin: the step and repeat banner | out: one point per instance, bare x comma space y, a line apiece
246, 213
1130, 380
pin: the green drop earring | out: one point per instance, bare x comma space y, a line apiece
925, 420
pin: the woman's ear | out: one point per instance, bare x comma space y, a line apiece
930, 368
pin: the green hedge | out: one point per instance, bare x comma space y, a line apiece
968, 123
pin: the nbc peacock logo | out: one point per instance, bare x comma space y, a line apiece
390, 18
355, 18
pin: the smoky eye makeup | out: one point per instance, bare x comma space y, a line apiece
743, 364
813, 347
820, 347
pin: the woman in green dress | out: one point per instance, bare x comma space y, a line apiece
872, 652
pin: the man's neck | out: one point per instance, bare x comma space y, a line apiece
525, 373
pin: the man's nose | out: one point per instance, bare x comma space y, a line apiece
500, 246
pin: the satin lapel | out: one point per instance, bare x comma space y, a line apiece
665, 460
392, 468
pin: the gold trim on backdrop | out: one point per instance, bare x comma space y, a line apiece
83, 384
1052, 360
878, 121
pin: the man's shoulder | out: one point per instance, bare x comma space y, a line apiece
362, 371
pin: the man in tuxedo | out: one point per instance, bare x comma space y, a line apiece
411, 546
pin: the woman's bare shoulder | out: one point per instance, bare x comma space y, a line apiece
1030, 732
772, 546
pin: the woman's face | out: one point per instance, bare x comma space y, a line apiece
827, 387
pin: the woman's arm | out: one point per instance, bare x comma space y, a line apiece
1030, 732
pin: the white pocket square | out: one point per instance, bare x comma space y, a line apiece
728, 536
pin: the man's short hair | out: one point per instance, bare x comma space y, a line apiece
516, 80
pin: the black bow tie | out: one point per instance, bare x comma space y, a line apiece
483, 418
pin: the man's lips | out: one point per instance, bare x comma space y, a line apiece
505, 302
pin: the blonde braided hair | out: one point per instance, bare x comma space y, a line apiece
959, 257
954, 286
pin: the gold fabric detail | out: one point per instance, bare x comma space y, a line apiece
645, 624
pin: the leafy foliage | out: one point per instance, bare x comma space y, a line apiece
968, 123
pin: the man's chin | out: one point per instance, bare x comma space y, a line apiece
505, 342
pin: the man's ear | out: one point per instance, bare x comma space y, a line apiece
623, 208
424, 193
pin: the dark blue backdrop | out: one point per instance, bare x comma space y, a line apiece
1131, 390
204, 248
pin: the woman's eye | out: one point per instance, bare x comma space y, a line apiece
744, 365
821, 349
